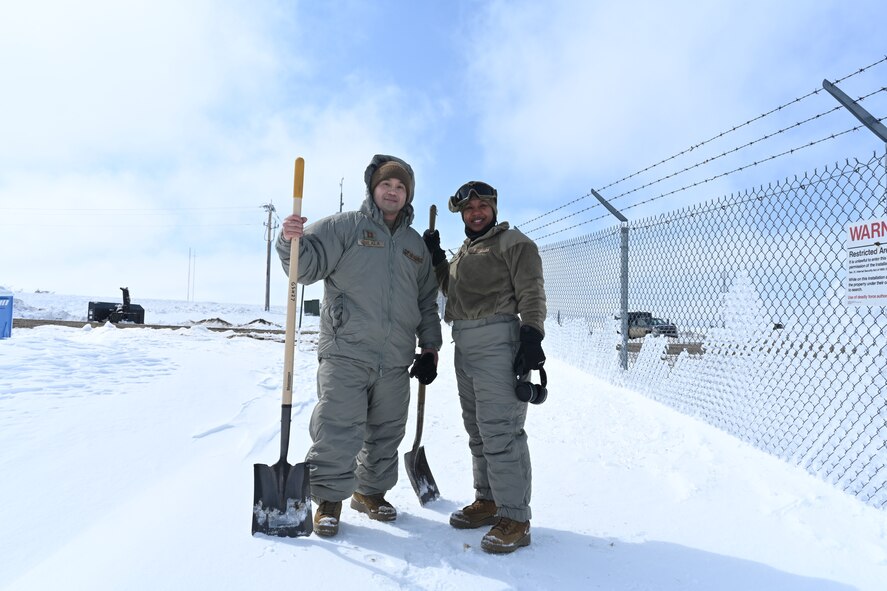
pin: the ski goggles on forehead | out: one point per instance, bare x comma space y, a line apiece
480, 189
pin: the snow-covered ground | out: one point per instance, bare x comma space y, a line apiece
127, 459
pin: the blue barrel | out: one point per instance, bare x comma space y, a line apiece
5, 314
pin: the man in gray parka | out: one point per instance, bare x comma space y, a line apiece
380, 295
496, 303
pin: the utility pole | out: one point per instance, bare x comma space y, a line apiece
269, 234
341, 202
193, 274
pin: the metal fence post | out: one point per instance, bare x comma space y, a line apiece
623, 277
623, 300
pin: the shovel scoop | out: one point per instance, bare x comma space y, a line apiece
416, 464
282, 499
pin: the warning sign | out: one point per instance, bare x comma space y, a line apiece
866, 283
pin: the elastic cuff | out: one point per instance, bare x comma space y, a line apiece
515, 514
530, 333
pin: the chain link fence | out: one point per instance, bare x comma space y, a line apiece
766, 348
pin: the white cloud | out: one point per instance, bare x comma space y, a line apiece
592, 91
204, 104
98, 81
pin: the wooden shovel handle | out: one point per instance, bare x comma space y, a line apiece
293, 280
420, 404
420, 418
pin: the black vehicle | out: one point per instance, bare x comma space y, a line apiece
658, 326
640, 324
111, 312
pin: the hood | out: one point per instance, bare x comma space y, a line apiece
406, 214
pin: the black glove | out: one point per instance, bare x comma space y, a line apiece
424, 368
432, 242
530, 355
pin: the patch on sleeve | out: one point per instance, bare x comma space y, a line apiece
369, 239
413, 256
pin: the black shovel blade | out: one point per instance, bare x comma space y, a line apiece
420, 476
282, 501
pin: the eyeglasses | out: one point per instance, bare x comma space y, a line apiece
479, 188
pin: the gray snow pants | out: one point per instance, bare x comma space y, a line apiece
357, 425
493, 416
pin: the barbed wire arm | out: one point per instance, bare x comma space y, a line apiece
866, 118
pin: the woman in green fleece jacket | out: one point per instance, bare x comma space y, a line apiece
496, 304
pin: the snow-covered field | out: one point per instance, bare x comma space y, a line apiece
127, 462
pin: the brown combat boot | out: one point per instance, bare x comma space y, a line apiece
375, 507
506, 536
326, 518
478, 514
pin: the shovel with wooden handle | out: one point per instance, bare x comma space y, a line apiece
415, 461
282, 496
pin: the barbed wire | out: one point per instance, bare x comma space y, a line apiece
580, 198
119, 210
746, 197
693, 166
577, 242
715, 177
746, 145
755, 163
746, 123
566, 217
571, 227
704, 142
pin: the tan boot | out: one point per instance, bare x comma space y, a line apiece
326, 518
478, 514
506, 536
375, 507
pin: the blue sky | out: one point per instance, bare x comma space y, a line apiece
136, 132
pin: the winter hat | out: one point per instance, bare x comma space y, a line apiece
392, 169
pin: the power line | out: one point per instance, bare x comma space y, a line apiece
105, 225
123, 209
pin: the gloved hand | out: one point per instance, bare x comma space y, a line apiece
424, 368
432, 242
530, 355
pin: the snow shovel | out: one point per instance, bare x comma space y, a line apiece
281, 499
414, 460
